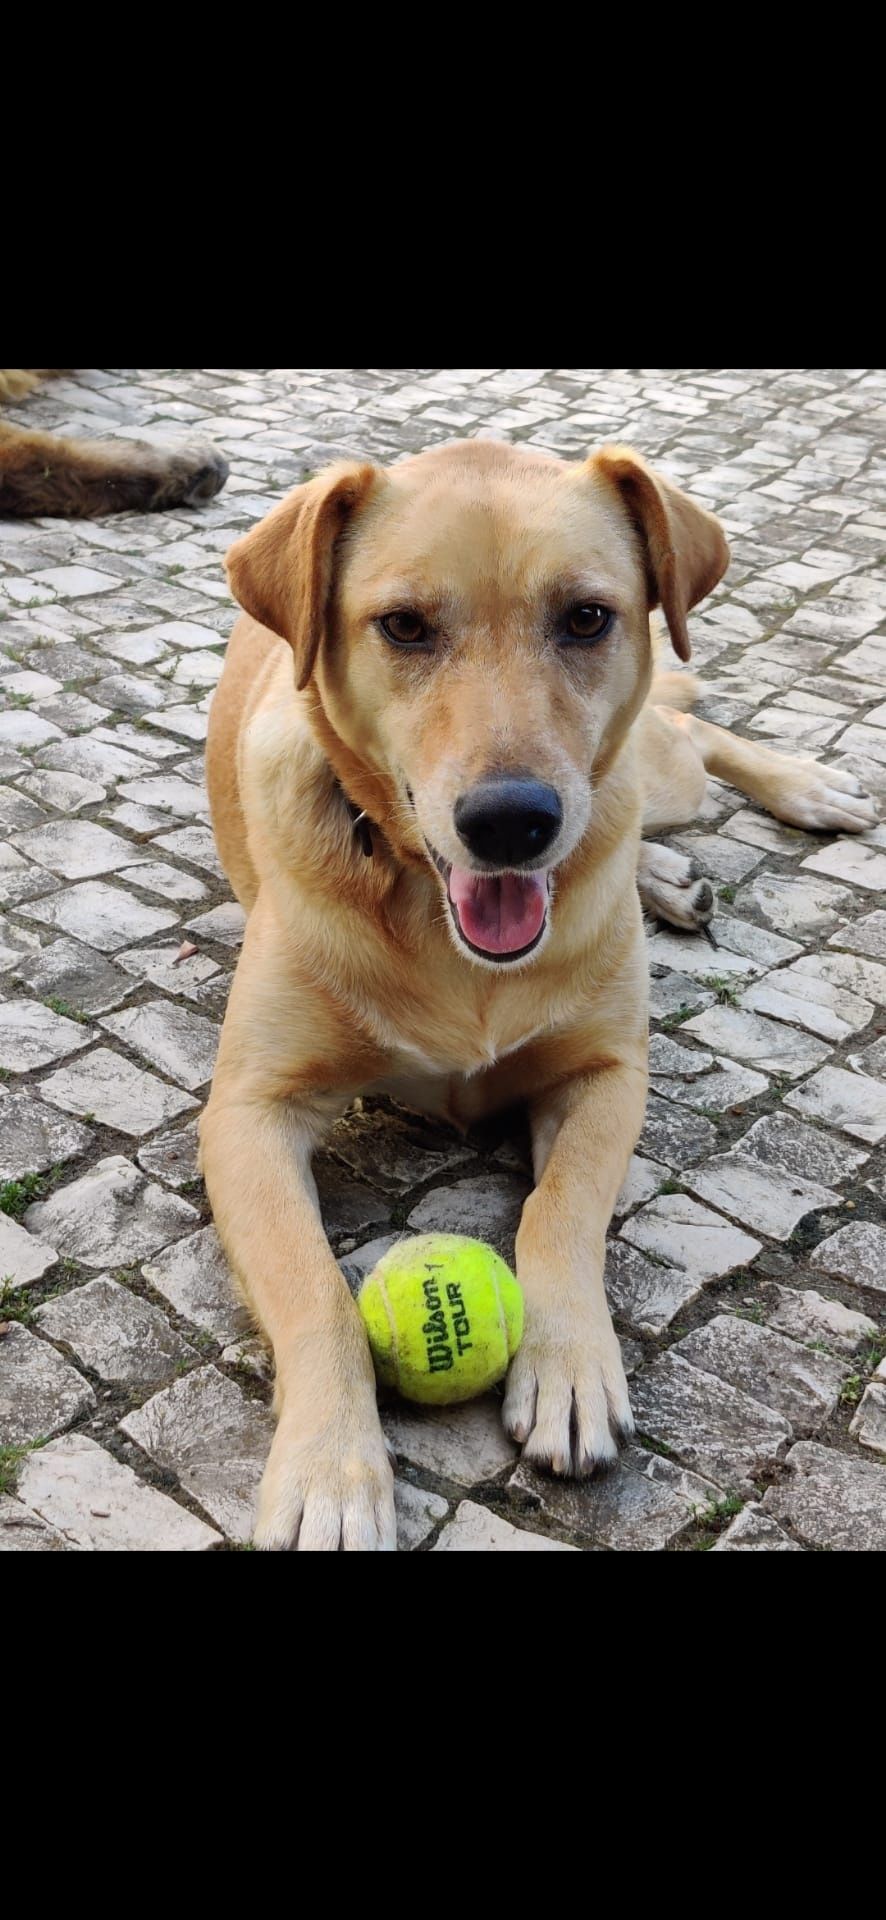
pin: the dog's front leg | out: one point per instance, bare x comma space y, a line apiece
567, 1397
328, 1483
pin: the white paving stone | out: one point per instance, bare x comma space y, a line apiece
761, 1197
40, 1394
800, 1384
851, 1101
225, 924
22, 1531
98, 1504
864, 936
844, 970
181, 1044
76, 849
112, 1215
766, 1043
712, 1426
184, 634
213, 1439
724, 1086
686, 1235
155, 876
25, 730
869, 1424
475, 1530
804, 905
115, 1333
646, 1294
809, 1317
195, 844
67, 970
23, 1256
871, 1059
831, 1500
33, 1136
107, 1087
195, 1278
753, 1531
644, 1504
850, 860
418, 1513
31, 1035
168, 792
101, 916
808, 1001
72, 582
164, 968
642, 1180
172, 1157
68, 792
856, 1253
466, 1444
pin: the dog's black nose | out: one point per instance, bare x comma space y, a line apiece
508, 823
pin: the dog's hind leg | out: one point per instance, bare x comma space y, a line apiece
795, 789
670, 884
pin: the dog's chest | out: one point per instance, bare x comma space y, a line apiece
442, 1062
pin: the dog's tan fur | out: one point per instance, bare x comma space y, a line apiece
41, 473
352, 977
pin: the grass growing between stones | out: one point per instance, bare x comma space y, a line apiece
16, 1195
57, 1005
725, 989
711, 1521
10, 1461
14, 1304
675, 1019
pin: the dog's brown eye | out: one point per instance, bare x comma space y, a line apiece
589, 622
405, 629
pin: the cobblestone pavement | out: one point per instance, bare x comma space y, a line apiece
747, 1265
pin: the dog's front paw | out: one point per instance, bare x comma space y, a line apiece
330, 1492
567, 1397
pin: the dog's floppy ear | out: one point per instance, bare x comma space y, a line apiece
684, 547
281, 571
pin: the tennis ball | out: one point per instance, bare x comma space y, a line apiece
444, 1316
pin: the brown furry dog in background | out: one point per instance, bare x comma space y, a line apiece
42, 474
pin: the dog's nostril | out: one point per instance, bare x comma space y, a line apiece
506, 823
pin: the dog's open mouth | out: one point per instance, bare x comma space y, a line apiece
499, 915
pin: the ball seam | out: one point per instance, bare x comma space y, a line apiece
395, 1352
502, 1316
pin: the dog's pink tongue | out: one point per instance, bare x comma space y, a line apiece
499, 913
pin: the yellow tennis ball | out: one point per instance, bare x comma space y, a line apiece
444, 1316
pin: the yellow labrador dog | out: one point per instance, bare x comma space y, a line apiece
434, 749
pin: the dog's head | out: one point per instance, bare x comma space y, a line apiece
475, 624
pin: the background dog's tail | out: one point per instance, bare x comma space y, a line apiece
40, 474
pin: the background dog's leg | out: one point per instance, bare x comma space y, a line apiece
40, 474
671, 884
567, 1397
796, 790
